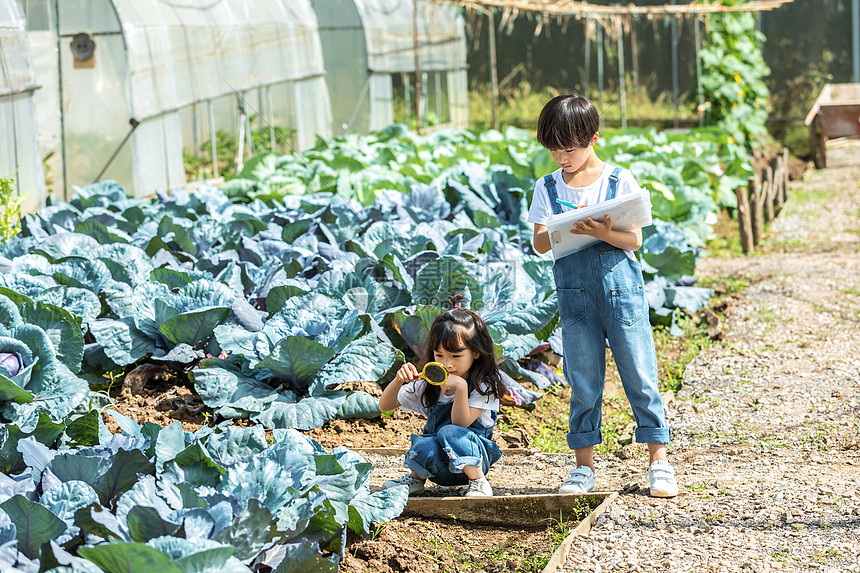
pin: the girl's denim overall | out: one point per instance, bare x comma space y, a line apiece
444, 448
601, 298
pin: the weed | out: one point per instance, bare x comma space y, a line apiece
677, 352
378, 530
714, 517
547, 424
10, 209
727, 240
699, 486
763, 314
616, 419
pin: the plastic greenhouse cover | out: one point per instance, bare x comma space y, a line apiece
16, 72
184, 52
388, 26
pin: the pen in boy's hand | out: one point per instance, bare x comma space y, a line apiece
567, 203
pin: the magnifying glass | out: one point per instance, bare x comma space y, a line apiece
435, 373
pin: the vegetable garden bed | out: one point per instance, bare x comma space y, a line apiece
280, 302
420, 544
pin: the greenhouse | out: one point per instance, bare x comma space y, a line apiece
373, 50
167, 77
19, 152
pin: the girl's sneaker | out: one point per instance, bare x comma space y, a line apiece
661, 478
416, 485
479, 488
580, 480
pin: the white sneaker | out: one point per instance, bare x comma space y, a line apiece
580, 480
416, 485
479, 488
661, 477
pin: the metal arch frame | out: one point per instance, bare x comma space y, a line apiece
55, 5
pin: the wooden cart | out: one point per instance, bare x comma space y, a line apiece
835, 113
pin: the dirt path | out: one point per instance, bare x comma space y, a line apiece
766, 429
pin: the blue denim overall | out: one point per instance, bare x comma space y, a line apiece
601, 298
444, 448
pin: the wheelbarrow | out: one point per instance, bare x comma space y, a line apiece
835, 113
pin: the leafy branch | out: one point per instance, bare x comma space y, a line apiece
10, 209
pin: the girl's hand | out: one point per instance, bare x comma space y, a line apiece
406, 374
455, 384
593, 228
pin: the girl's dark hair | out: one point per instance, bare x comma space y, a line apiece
567, 122
462, 329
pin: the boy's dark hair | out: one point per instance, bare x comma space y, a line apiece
567, 122
462, 329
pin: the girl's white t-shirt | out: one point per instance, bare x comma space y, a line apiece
410, 394
541, 211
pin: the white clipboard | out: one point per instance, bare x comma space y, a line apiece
628, 212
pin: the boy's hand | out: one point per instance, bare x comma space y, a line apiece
593, 228
455, 384
406, 374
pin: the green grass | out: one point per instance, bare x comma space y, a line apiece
726, 242
805, 196
520, 105
678, 352
782, 556
724, 287
616, 419
763, 314
546, 425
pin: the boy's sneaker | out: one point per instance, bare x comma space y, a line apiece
479, 488
416, 485
661, 478
580, 480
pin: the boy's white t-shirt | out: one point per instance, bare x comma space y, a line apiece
410, 394
541, 211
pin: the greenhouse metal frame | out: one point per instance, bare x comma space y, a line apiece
19, 150
378, 52
129, 86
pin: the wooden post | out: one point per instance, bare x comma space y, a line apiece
744, 221
494, 73
777, 184
755, 210
784, 195
768, 194
417, 59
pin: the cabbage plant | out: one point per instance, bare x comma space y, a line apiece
34, 376
152, 498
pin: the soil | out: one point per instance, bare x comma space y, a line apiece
422, 546
151, 393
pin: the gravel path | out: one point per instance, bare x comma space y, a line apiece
766, 429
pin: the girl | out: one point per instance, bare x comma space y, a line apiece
456, 446
601, 295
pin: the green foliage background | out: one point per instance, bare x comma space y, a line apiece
733, 77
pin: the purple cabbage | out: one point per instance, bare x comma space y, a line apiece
11, 362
